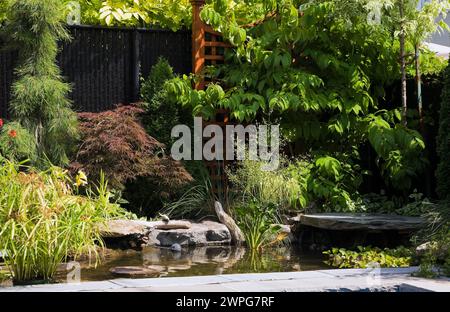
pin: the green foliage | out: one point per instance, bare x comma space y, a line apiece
16, 143
319, 72
327, 183
44, 222
268, 188
258, 198
173, 14
430, 64
399, 150
3, 6
160, 114
417, 207
39, 96
443, 141
257, 222
365, 256
377, 203
201, 102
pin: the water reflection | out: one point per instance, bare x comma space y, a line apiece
207, 261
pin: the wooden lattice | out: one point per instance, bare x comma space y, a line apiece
208, 48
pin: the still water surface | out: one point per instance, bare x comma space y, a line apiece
207, 261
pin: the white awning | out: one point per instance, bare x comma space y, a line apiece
440, 50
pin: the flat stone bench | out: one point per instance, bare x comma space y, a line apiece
360, 221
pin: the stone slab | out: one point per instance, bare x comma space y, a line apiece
361, 221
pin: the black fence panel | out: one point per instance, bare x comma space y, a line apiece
174, 46
104, 65
7, 64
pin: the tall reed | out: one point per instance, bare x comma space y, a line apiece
44, 221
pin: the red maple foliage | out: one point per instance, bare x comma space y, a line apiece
115, 142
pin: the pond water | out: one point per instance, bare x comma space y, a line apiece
206, 261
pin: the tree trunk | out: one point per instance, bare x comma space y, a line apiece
419, 90
403, 65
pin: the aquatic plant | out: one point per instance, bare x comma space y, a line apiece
44, 221
259, 225
365, 256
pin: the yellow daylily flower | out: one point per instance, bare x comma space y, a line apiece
81, 179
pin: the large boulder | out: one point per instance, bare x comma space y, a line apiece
199, 234
440, 251
122, 228
135, 234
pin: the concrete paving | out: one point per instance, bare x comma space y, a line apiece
392, 279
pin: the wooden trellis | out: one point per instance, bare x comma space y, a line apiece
208, 48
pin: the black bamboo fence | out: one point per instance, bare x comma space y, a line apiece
104, 65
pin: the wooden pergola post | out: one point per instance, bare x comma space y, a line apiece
198, 39
205, 52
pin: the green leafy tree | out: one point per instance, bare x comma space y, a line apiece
173, 14
317, 69
39, 95
443, 141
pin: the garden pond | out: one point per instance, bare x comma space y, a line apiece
203, 261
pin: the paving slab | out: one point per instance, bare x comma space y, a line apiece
273, 276
382, 271
420, 285
71, 287
393, 279
170, 281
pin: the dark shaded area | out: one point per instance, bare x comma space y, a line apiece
314, 239
425, 182
104, 64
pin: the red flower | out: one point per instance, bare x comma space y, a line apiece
1, 122
12, 133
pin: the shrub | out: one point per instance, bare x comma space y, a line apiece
44, 222
114, 142
16, 143
160, 115
39, 96
327, 183
443, 141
